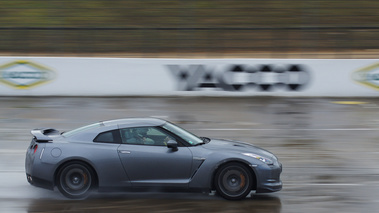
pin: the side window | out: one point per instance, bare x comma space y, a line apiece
145, 136
108, 137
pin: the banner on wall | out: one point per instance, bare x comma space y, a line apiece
241, 77
53, 76
24, 74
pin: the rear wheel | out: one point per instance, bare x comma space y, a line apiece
75, 180
233, 181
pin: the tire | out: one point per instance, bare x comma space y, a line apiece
75, 180
233, 181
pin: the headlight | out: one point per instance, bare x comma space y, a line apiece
264, 160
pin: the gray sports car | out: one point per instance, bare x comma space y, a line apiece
147, 154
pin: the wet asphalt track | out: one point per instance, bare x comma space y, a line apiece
329, 149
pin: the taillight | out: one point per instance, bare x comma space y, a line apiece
35, 148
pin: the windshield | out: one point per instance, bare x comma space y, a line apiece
81, 129
187, 136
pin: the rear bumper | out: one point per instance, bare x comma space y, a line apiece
38, 182
37, 173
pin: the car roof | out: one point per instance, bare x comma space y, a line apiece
87, 133
132, 122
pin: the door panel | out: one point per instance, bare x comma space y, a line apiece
148, 165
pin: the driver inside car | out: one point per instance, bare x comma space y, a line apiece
140, 136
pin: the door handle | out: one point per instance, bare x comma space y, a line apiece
199, 158
124, 152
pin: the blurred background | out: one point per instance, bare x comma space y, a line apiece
328, 149
196, 28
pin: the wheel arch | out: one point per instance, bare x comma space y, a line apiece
242, 162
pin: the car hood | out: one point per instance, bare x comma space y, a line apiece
238, 146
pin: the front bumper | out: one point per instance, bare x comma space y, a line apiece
268, 178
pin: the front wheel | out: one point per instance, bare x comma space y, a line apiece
75, 180
233, 181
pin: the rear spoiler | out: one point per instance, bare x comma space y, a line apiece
41, 135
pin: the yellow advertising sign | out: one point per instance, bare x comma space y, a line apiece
368, 76
23, 74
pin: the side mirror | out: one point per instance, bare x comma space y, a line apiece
172, 144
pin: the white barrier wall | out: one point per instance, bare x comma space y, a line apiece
42, 76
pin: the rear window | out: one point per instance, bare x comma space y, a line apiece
108, 137
81, 129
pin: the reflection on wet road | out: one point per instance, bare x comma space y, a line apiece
328, 147
155, 203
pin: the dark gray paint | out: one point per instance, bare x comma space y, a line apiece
134, 166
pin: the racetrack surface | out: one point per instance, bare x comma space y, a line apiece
328, 147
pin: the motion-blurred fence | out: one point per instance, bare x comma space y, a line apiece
173, 40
